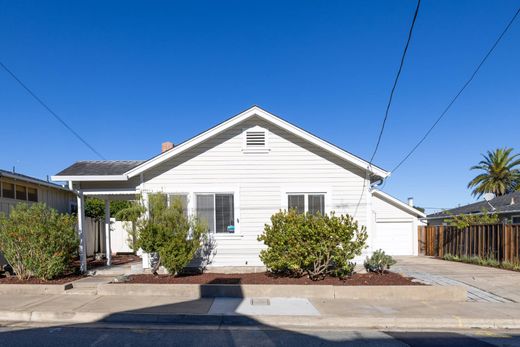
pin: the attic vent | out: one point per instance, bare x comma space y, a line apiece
255, 140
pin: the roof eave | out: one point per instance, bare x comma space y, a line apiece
85, 178
33, 181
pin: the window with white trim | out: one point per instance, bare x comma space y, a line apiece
218, 211
255, 140
515, 219
306, 202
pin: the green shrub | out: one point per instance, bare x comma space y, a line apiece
170, 234
38, 241
311, 244
379, 262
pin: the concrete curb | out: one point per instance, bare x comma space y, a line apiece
423, 293
265, 321
34, 289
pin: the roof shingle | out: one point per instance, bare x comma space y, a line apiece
505, 203
99, 167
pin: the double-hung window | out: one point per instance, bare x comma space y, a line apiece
306, 202
218, 211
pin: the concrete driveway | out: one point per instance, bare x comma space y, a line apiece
483, 283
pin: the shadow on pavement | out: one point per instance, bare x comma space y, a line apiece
179, 324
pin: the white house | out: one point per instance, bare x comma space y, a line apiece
241, 171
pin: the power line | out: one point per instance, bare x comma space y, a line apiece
40, 101
395, 81
459, 93
394, 86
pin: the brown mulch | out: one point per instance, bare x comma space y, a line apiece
60, 280
74, 275
369, 279
118, 259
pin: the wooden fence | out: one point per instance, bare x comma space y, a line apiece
496, 241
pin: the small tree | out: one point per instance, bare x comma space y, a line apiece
311, 244
171, 234
38, 241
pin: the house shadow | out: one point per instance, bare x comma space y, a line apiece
191, 323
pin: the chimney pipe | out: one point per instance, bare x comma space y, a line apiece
166, 146
410, 201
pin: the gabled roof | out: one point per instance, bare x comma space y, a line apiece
97, 171
399, 203
502, 204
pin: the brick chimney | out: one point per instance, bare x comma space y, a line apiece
166, 146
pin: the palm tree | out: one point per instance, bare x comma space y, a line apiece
501, 175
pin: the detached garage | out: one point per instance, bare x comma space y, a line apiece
396, 225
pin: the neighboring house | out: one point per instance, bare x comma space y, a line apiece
238, 173
16, 188
507, 207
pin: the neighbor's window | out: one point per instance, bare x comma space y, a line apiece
306, 202
8, 190
515, 219
32, 194
21, 192
218, 211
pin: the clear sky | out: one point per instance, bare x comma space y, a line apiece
129, 75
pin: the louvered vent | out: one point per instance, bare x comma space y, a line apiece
255, 139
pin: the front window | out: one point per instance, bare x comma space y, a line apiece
306, 202
218, 211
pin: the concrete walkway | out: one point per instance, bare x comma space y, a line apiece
76, 309
484, 284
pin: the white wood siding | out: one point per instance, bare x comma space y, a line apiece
261, 179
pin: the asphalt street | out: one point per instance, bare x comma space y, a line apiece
100, 335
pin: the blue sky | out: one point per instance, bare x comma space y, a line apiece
129, 75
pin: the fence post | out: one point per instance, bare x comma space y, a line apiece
441, 241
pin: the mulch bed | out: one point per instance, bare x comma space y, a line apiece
74, 274
60, 280
369, 279
119, 259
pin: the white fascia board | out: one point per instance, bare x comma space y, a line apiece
399, 203
257, 111
109, 192
90, 178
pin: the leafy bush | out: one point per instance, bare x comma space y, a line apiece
463, 221
379, 262
172, 235
311, 244
38, 241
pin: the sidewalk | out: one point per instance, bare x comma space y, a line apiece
76, 309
